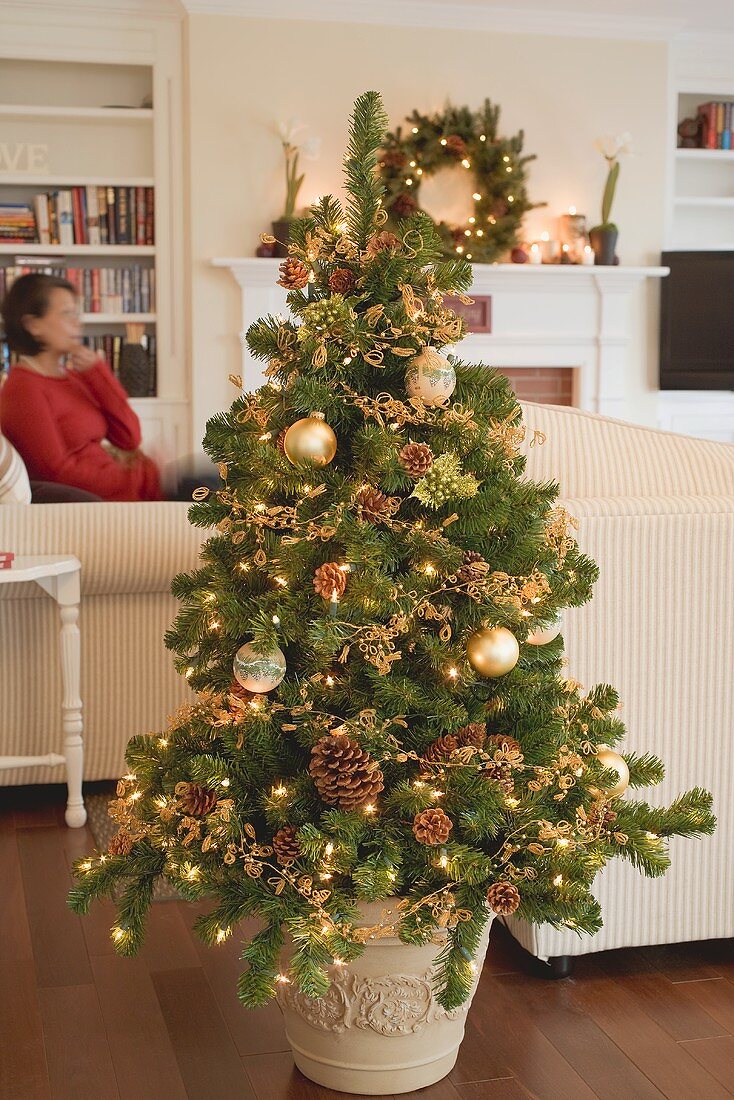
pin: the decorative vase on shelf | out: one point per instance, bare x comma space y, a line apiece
136, 370
282, 234
603, 240
379, 1030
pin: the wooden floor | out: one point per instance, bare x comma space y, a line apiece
77, 1022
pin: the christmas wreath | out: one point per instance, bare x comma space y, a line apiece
470, 141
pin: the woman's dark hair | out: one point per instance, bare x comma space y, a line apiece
30, 294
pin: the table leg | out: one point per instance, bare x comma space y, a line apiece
67, 596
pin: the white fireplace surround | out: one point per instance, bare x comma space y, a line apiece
542, 316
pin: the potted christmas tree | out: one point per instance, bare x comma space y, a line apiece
384, 751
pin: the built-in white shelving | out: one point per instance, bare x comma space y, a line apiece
77, 250
104, 108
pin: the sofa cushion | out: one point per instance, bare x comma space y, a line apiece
593, 456
14, 485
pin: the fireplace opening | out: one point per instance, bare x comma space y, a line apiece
546, 385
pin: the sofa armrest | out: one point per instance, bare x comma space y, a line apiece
123, 547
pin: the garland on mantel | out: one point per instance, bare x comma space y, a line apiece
469, 141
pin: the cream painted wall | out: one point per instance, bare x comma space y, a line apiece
244, 75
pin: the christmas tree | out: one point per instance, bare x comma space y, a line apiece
386, 585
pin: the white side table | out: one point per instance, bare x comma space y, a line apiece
59, 577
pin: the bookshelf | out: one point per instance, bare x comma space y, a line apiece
699, 213
104, 110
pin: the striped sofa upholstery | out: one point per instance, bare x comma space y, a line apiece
655, 510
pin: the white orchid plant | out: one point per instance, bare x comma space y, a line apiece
293, 149
611, 148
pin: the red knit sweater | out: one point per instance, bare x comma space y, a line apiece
57, 425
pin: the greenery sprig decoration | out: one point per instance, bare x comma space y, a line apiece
470, 142
461, 794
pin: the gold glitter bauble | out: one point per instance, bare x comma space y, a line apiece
310, 441
610, 759
544, 634
493, 651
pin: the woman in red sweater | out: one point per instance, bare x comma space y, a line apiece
61, 400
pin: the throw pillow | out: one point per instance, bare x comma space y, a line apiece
15, 487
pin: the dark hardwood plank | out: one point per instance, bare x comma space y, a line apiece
669, 1004
142, 1055
666, 1063
79, 1060
167, 944
59, 950
480, 1057
506, 1088
274, 1077
717, 1055
37, 806
22, 1057
594, 1056
505, 955
15, 940
259, 1031
716, 998
681, 962
442, 1090
512, 1040
206, 1055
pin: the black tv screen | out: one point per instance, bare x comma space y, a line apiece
697, 321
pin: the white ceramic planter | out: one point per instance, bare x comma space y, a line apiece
379, 1030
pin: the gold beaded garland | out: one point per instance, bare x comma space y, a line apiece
493, 651
310, 441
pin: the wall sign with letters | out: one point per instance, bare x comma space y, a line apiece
23, 156
478, 316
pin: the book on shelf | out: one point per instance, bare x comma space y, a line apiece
109, 347
717, 130
93, 215
127, 289
17, 223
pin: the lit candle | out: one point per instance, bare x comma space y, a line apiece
536, 257
588, 255
550, 250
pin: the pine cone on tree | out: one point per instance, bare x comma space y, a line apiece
503, 898
456, 146
600, 816
504, 742
196, 800
501, 773
239, 696
293, 274
468, 570
343, 773
432, 827
342, 281
441, 748
120, 844
382, 242
474, 734
330, 578
373, 505
285, 845
404, 204
416, 459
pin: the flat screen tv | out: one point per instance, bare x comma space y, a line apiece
697, 321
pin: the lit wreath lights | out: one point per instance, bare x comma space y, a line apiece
469, 141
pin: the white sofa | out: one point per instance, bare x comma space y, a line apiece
657, 513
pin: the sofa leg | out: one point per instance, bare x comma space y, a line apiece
559, 966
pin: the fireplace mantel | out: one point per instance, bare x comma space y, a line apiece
542, 316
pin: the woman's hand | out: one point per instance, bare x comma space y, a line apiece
83, 358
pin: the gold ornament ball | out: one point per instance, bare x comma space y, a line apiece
544, 634
610, 759
310, 441
493, 651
